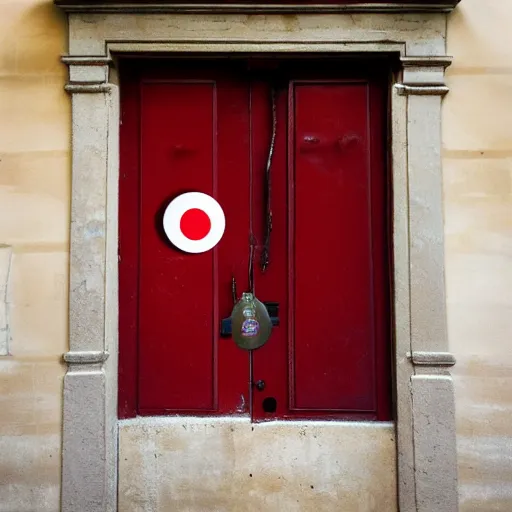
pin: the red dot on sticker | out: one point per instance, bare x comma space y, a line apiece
195, 224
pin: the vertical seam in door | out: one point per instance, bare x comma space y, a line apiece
215, 256
139, 238
290, 167
369, 174
251, 239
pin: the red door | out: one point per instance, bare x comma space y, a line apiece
208, 128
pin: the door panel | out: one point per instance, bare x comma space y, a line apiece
332, 349
176, 353
190, 141
328, 251
233, 149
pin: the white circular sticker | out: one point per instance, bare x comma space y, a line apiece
194, 222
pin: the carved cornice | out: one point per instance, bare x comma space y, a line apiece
426, 62
86, 61
422, 90
432, 359
423, 75
340, 6
92, 88
86, 357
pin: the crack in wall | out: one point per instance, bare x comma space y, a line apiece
5, 274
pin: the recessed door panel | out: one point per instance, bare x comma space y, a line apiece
187, 134
328, 268
177, 155
332, 346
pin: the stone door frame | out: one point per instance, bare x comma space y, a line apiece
99, 33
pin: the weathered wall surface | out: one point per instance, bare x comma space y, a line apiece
478, 216
34, 225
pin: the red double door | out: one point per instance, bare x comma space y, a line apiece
208, 128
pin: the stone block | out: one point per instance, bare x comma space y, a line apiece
88, 73
37, 115
16, 395
228, 464
478, 328
84, 442
473, 177
484, 404
30, 469
480, 279
39, 35
33, 36
30, 400
434, 443
39, 312
479, 35
478, 205
476, 113
35, 198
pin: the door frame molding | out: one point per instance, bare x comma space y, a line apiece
425, 416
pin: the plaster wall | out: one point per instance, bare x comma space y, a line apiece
34, 225
477, 136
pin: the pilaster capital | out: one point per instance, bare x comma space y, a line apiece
84, 360
88, 74
424, 76
432, 359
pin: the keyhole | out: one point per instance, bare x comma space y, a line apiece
270, 404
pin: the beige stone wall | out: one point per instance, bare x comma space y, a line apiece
478, 216
34, 221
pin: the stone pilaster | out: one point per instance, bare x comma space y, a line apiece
431, 388
90, 423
